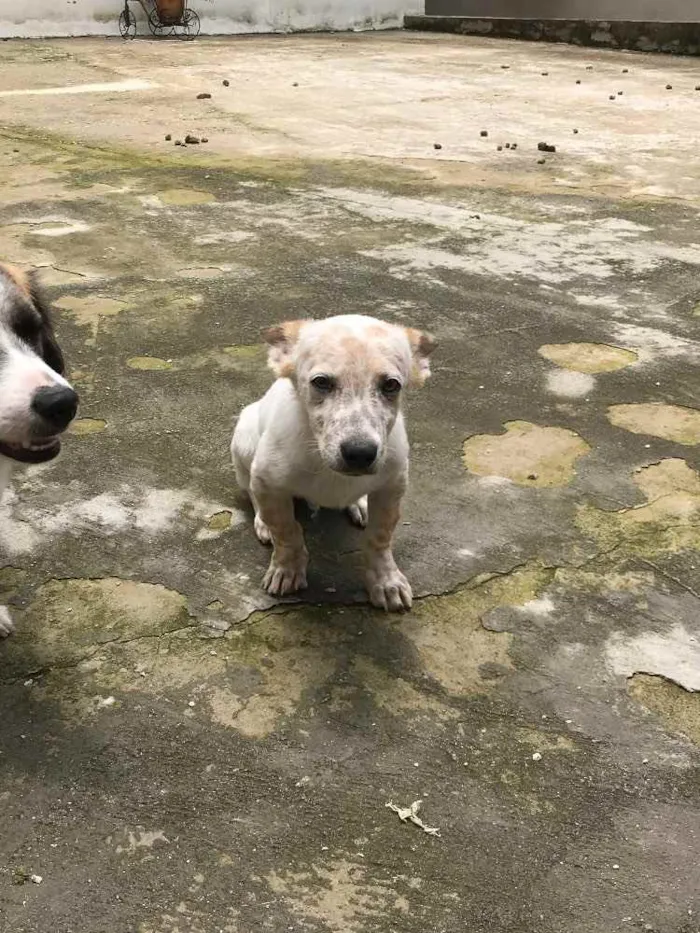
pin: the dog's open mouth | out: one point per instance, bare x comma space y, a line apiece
36, 452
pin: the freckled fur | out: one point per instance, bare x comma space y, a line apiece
288, 444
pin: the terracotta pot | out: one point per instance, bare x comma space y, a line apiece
170, 11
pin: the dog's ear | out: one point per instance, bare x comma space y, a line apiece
19, 277
50, 350
281, 340
422, 345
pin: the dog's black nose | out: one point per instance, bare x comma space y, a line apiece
57, 405
359, 455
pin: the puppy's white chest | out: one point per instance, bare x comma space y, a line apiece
334, 491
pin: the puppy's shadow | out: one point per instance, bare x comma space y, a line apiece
335, 553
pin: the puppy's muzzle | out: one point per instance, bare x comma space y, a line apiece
359, 456
56, 406
53, 409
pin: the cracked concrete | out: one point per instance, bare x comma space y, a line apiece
178, 753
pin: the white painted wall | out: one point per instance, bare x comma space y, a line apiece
39, 18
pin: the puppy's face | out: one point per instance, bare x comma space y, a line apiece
36, 402
350, 373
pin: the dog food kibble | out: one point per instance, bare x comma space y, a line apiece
505, 66
612, 97
203, 96
191, 140
546, 147
697, 87
204, 139
437, 145
541, 161
544, 74
575, 131
507, 145
669, 87
532, 476
619, 93
178, 142
295, 84
500, 148
513, 145
625, 70
578, 80
589, 67
225, 82
168, 138
484, 132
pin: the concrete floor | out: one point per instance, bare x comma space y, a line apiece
177, 755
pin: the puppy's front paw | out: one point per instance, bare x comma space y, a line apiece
6, 624
282, 579
389, 590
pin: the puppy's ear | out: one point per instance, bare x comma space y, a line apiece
19, 277
422, 345
281, 340
50, 350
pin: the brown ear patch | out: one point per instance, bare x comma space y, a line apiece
20, 278
422, 345
281, 339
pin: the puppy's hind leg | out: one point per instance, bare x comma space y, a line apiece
243, 447
261, 530
357, 513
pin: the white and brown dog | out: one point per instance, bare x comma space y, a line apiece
330, 430
36, 402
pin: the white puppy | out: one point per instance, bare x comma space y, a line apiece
330, 430
36, 402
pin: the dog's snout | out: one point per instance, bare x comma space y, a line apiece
57, 405
359, 455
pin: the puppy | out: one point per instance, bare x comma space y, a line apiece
36, 402
330, 430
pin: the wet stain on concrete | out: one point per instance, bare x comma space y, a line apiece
676, 708
90, 310
220, 521
588, 357
398, 696
149, 364
72, 619
670, 422
528, 454
448, 635
224, 359
84, 426
666, 524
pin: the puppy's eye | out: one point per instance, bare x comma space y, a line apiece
323, 384
390, 387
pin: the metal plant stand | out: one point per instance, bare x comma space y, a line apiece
165, 18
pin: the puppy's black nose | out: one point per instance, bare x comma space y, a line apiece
57, 405
359, 455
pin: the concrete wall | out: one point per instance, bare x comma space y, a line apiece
646, 11
38, 18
